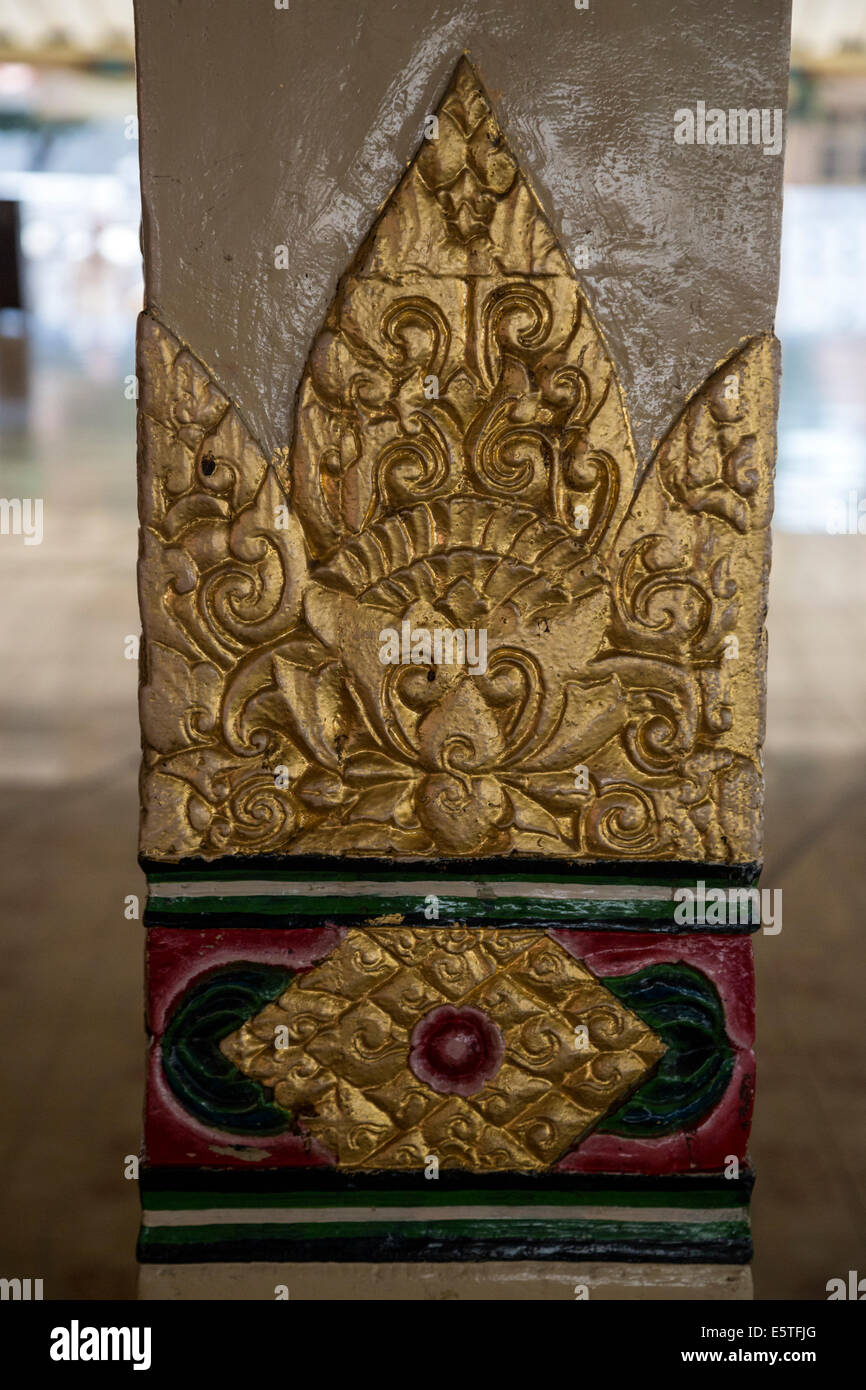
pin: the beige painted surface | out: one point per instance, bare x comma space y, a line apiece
509, 1281
263, 127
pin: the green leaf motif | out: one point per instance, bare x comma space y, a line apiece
684, 1008
205, 1082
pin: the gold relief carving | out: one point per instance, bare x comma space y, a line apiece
359, 1049
461, 460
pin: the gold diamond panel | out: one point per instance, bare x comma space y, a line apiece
335, 1049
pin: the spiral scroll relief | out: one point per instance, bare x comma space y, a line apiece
461, 461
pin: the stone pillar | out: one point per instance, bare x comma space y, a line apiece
457, 394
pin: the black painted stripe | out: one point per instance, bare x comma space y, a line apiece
643, 870
160, 1249
329, 1180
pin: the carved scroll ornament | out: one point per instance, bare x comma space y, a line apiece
461, 461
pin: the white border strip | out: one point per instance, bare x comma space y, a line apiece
298, 1216
411, 888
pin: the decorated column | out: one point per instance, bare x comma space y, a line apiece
456, 486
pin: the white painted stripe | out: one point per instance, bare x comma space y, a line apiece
293, 1216
412, 888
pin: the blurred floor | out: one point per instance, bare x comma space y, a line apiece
809, 1136
70, 980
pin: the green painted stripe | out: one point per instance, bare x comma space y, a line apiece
427, 1197
491, 910
428, 875
693, 1235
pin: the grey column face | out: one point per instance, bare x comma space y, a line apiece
264, 128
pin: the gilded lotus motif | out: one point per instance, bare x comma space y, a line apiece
461, 460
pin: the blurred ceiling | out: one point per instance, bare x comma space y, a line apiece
829, 33
66, 31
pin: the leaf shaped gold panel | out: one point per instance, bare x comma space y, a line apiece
461, 460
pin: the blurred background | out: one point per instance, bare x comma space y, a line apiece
70, 965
